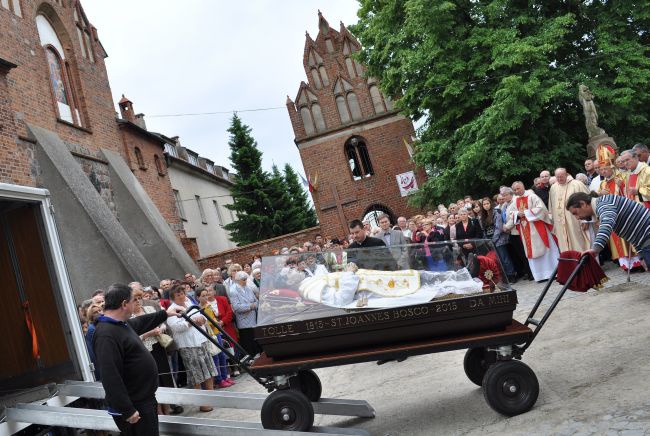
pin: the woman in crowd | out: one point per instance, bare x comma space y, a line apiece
219, 293
229, 283
247, 268
211, 309
150, 341
467, 229
434, 251
450, 230
487, 217
192, 345
94, 311
244, 304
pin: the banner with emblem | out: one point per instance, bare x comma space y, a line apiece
407, 183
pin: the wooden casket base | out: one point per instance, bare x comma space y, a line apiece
362, 329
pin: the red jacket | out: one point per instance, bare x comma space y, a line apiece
226, 315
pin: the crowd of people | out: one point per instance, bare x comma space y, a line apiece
527, 227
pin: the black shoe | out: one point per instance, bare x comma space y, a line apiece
177, 410
512, 279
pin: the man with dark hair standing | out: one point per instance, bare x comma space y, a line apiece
370, 259
129, 371
642, 153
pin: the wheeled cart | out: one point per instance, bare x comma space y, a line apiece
492, 361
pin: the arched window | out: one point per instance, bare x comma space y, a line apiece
344, 113
84, 33
310, 112
13, 6
323, 75
377, 99
61, 81
318, 73
307, 120
353, 104
160, 167
358, 158
139, 158
350, 66
316, 78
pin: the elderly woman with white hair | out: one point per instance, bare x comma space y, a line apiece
244, 305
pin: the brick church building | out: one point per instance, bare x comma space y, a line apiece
113, 201
351, 140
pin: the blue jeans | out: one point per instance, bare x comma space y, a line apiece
220, 363
508, 267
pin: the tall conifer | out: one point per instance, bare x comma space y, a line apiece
299, 201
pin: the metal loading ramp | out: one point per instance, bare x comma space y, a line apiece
55, 415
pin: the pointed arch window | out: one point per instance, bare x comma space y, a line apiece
358, 158
139, 158
84, 33
13, 6
310, 112
160, 167
64, 92
347, 102
377, 99
353, 67
317, 70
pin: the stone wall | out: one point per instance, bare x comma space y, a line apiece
245, 254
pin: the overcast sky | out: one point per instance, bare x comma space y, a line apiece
174, 57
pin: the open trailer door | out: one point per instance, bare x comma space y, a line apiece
42, 337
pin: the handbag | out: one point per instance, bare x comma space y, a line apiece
213, 349
167, 342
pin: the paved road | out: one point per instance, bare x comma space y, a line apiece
591, 359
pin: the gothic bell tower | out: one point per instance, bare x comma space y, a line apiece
352, 142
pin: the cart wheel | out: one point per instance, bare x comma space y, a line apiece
476, 365
510, 387
287, 409
308, 383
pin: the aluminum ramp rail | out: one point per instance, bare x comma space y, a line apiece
223, 399
172, 425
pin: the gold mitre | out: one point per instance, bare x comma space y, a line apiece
606, 155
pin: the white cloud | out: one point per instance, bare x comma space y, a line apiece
191, 56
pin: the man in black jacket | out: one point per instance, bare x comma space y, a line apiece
129, 371
370, 259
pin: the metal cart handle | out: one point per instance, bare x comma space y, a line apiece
540, 323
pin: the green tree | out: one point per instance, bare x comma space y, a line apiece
497, 82
251, 202
299, 200
285, 218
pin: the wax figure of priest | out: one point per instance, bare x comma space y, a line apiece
614, 183
638, 180
529, 215
571, 233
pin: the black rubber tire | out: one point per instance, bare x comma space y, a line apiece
510, 387
476, 365
287, 409
308, 383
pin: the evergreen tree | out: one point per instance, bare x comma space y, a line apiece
497, 82
285, 220
251, 202
299, 200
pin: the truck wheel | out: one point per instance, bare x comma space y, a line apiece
510, 387
476, 365
287, 409
308, 383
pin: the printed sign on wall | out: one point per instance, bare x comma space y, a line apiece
407, 183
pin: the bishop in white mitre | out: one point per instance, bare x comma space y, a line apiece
529, 214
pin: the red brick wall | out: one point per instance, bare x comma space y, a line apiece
158, 186
245, 254
29, 86
15, 161
327, 159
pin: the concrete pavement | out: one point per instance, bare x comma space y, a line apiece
591, 360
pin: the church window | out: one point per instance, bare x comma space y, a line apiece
377, 99
323, 75
307, 120
316, 78
329, 45
13, 6
343, 109
64, 93
353, 104
318, 117
350, 66
139, 158
160, 167
84, 34
356, 152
